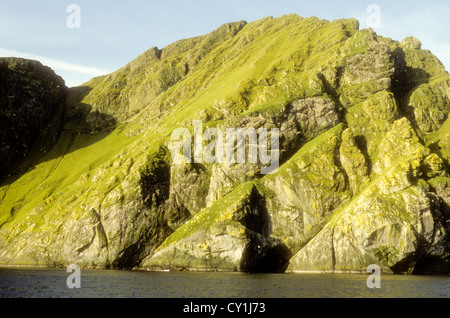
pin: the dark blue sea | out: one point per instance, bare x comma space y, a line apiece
52, 283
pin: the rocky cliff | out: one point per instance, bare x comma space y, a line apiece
364, 158
32, 109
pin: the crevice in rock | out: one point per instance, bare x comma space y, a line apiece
263, 254
257, 218
432, 265
338, 163
434, 260
265, 259
155, 193
333, 250
361, 143
405, 266
334, 94
404, 80
99, 232
339, 74
155, 180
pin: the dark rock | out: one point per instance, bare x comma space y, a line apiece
31, 109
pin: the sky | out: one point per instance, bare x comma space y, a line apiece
81, 39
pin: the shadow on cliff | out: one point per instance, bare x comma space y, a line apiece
263, 254
431, 263
81, 127
159, 211
404, 80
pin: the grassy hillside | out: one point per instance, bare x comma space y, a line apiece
360, 117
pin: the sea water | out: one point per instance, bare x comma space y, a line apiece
52, 283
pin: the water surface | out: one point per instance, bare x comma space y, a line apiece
51, 283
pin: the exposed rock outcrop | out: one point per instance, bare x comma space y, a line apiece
31, 110
363, 175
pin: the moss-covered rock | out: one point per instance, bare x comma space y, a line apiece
364, 157
233, 234
411, 43
353, 162
429, 105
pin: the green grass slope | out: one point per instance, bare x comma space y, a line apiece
108, 195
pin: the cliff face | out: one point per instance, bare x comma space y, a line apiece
364, 159
32, 109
